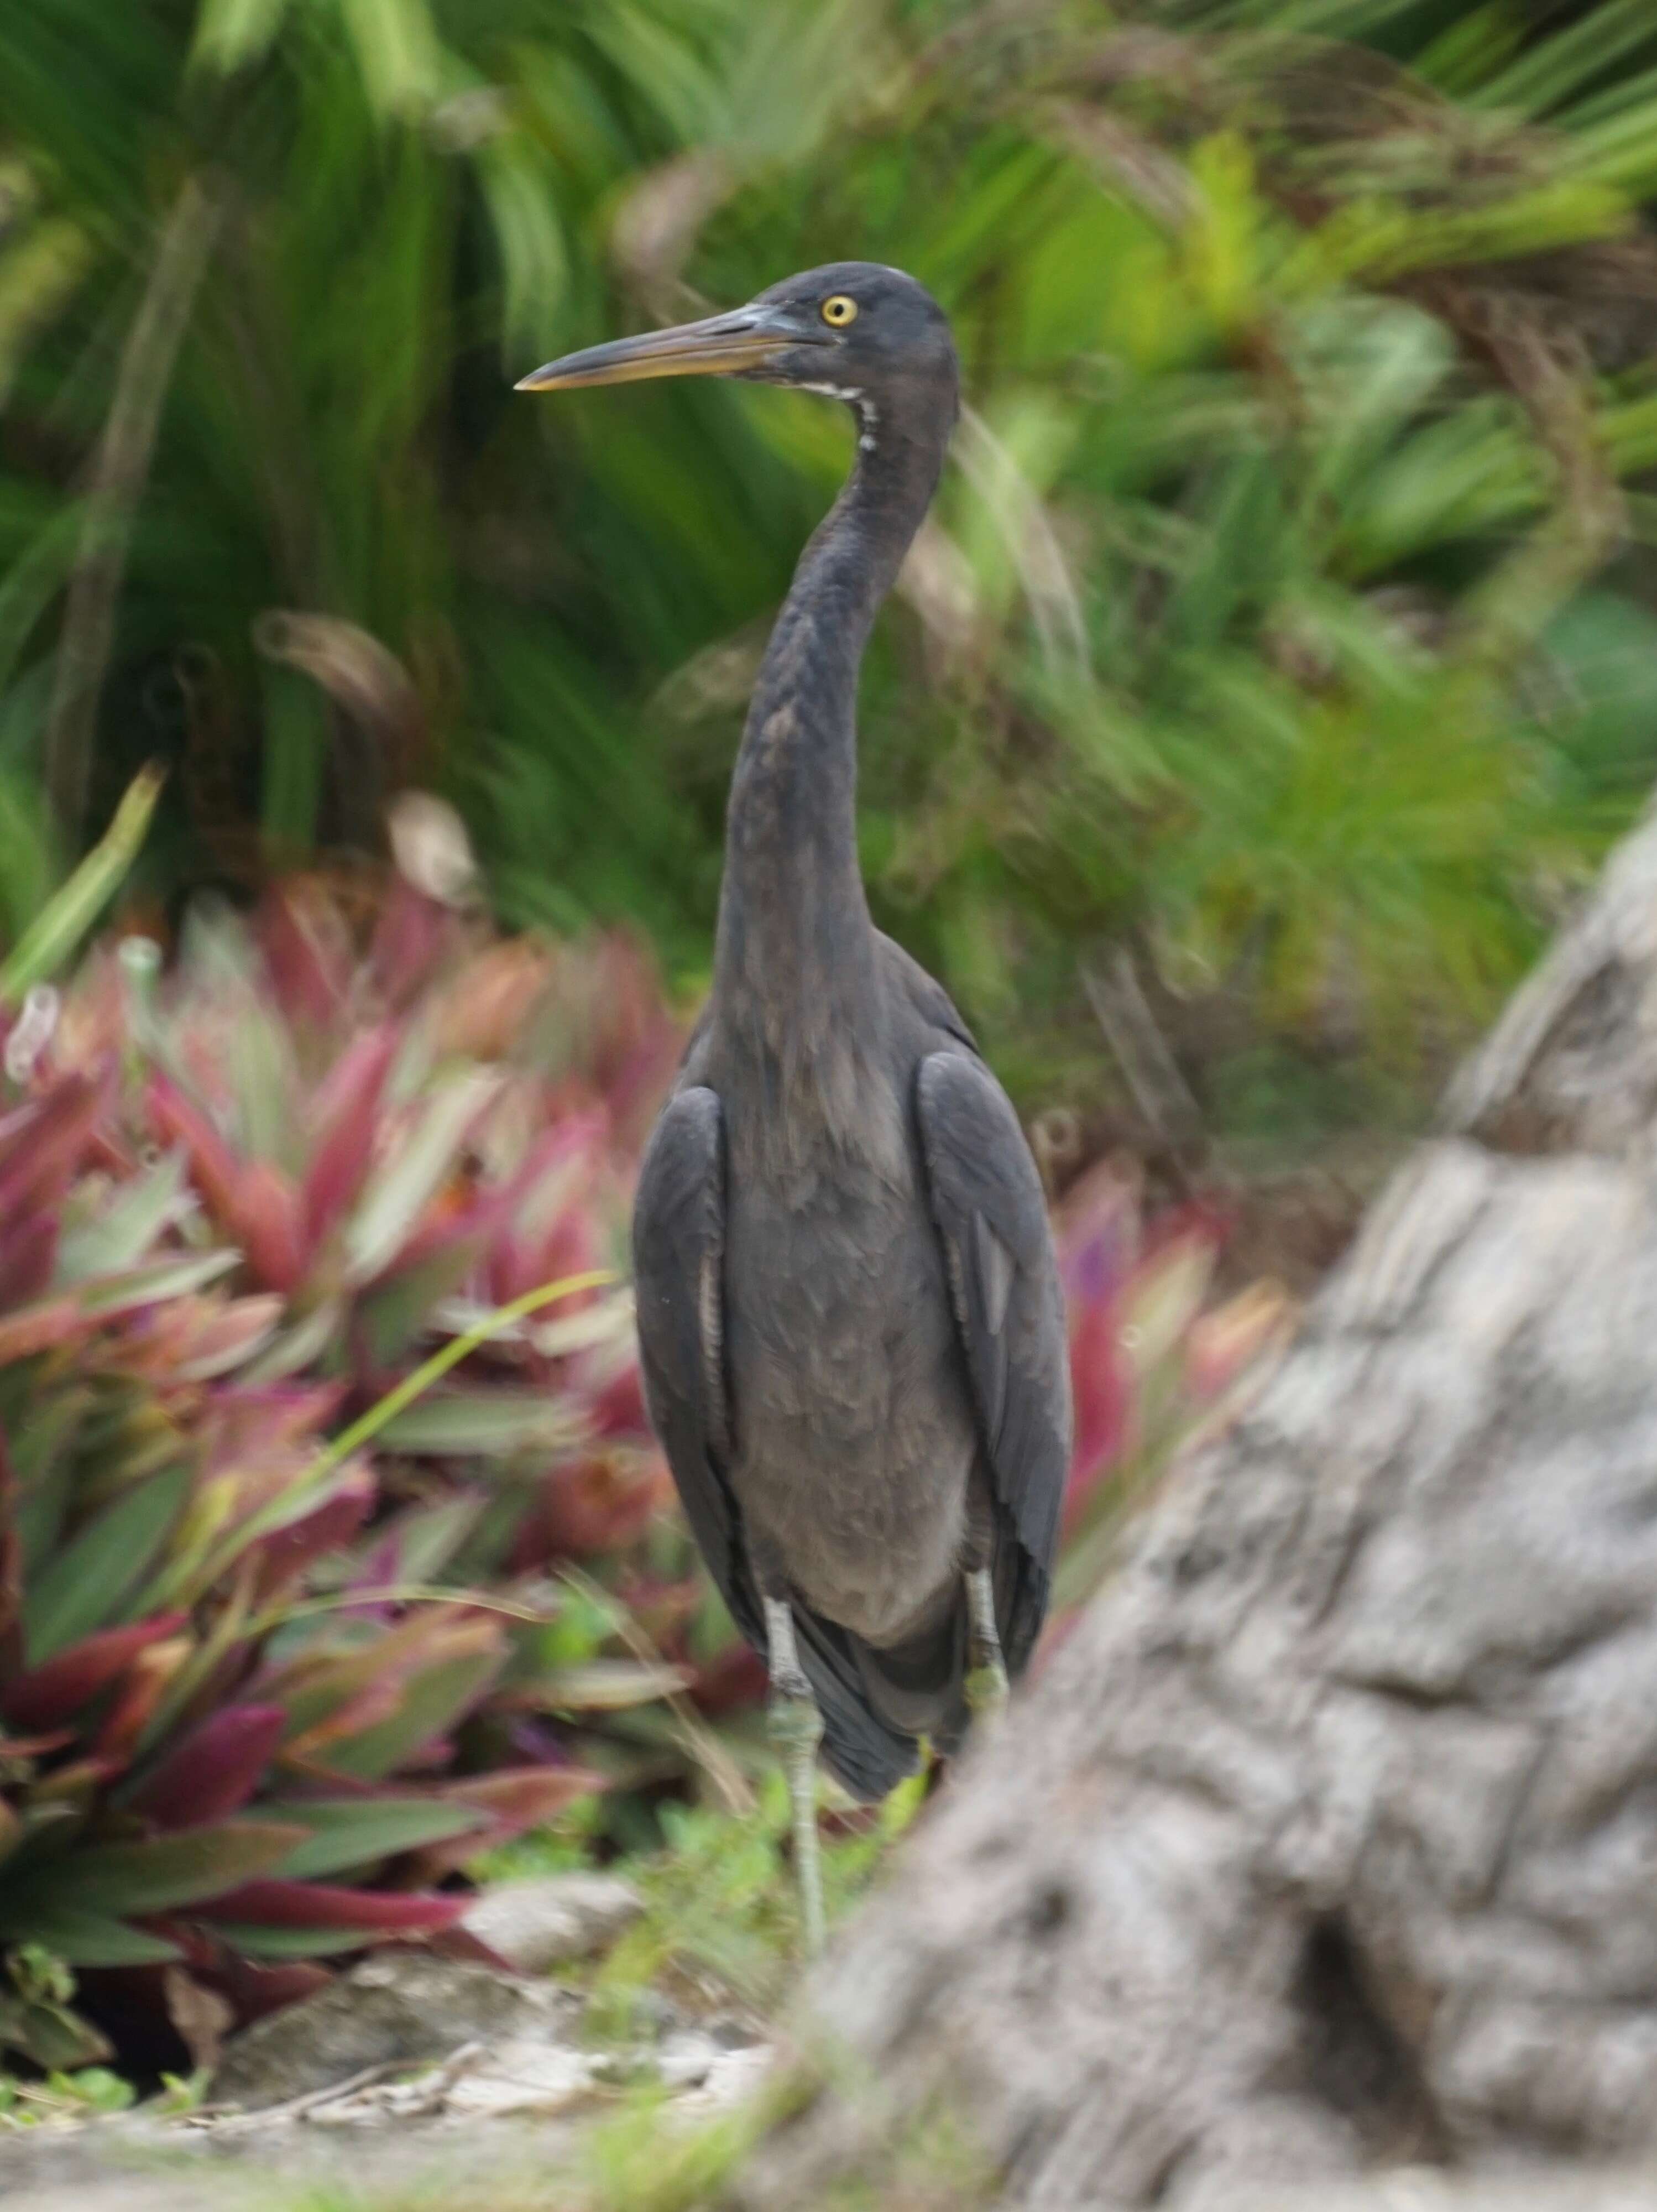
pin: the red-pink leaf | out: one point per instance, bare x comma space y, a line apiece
136, 1696
515, 1799
42, 1144
485, 1007
456, 1225
307, 952
261, 1424
52, 1693
1205, 1220
734, 1679
1098, 1235
28, 1248
252, 1987
1103, 1388
16, 1125
264, 1220
546, 1207
618, 1408
214, 1165
413, 934
214, 1770
213, 1340
41, 1328
275, 1904
599, 1503
640, 1079
288, 1551
347, 1107
366, 1709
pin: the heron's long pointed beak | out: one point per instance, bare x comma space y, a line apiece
722, 345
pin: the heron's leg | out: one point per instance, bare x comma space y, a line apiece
986, 1669
795, 1726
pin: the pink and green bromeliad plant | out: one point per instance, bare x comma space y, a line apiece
290, 1628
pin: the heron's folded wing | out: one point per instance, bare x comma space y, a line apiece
992, 1219
678, 1260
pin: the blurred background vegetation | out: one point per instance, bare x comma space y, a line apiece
1281, 656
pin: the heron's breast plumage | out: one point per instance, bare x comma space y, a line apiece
853, 1437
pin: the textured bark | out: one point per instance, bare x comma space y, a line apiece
1330, 1837
1572, 1065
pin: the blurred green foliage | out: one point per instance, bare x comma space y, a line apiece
1285, 619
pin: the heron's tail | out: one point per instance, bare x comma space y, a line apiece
868, 1753
915, 1686
877, 1702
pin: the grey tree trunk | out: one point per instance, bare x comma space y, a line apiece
1330, 1837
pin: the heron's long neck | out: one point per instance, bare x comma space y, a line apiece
794, 971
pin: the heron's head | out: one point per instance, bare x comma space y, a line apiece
852, 330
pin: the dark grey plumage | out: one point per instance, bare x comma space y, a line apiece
849, 1314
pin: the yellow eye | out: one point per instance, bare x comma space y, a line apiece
839, 310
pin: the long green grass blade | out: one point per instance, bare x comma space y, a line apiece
63, 924
368, 1425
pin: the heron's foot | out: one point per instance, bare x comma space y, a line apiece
795, 1727
987, 1690
986, 1684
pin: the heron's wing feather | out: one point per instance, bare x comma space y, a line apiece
678, 1261
992, 1221
678, 1264
925, 993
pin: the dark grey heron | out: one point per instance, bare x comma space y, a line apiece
849, 1314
